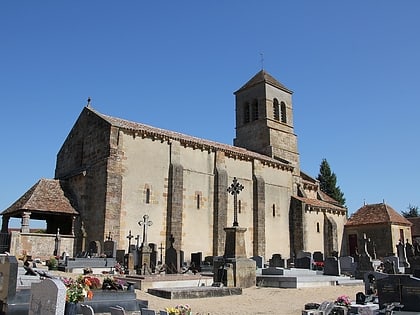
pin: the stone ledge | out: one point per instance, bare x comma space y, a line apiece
194, 292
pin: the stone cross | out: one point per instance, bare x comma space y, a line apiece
129, 236
235, 189
57, 243
145, 223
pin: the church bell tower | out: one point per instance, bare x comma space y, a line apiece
264, 119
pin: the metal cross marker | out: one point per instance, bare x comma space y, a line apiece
161, 250
129, 236
235, 189
145, 223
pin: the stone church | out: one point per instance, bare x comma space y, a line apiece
114, 171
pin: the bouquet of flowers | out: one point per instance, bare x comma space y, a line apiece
79, 289
181, 309
343, 300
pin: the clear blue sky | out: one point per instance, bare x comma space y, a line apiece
354, 67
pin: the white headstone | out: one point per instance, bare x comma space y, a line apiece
47, 298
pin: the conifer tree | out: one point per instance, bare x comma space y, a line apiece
328, 183
413, 212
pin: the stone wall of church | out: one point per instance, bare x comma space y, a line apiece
83, 161
207, 207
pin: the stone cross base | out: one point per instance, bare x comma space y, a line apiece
235, 242
235, 272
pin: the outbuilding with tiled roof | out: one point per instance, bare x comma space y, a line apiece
383, 226
47, 200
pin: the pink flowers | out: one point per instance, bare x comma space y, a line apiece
343, 300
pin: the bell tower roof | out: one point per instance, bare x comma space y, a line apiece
263, 77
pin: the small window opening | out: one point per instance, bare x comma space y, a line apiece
147, 195
276, 109
239, 206
198, 201
317, 227
283, 113
274, 210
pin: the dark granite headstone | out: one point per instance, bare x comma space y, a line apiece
196, 259
110, 249
389, 267
331, 266
94, 248
318, 256
360, 298
347, 265
259, 261
303, 263
276, 261
404, 289
120, 256
172, 261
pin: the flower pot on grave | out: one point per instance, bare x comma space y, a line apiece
70, 308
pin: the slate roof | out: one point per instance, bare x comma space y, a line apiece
379, 213
163, 134
46, 196
263, 77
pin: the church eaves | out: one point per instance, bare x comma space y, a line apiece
263, 77
142, 130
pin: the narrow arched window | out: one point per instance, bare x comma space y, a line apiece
283, 112
317, 227
274, 210
276, 109
147, 195
239, 206
246, 113
255, 110
198, 201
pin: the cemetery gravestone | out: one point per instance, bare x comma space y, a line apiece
47, 298
331, 266
276, 261
8, 277
347, 265
196, 259
110, 249
259, 261
303, 260
318, 259
94, 248
402, 258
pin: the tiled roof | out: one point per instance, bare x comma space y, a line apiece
316, 204
163, 134
376, 214
415, 228
263, 77
46, 195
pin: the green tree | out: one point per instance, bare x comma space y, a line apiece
328, 183
413, 211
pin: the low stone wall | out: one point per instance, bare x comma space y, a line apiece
39, 245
